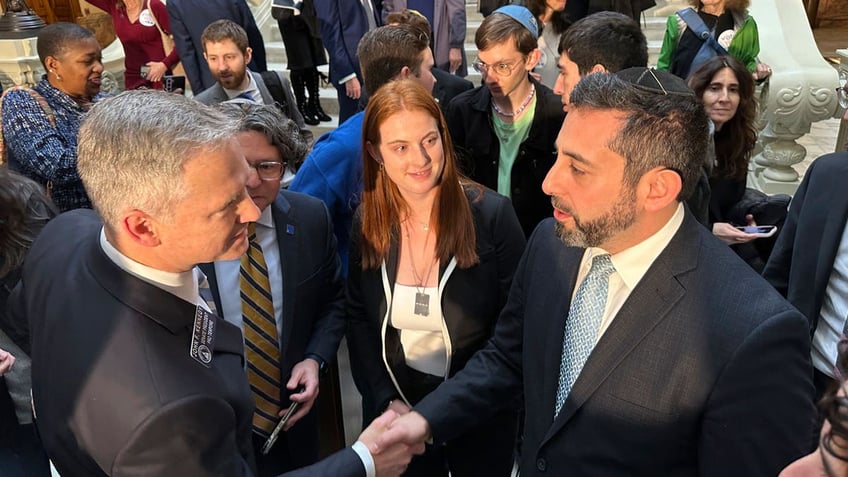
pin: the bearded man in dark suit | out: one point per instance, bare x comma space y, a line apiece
642, 345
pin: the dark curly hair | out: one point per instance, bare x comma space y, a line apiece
24, 210
834, 407
734, 142
559, 19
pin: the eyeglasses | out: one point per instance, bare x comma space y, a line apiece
842, 90
269, 171
502, 69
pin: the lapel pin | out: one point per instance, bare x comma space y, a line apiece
290, 229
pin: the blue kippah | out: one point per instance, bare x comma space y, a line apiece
521, 15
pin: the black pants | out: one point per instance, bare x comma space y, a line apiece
25, 457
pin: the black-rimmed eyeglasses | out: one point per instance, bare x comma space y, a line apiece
269, 171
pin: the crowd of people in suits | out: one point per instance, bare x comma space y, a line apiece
549, 271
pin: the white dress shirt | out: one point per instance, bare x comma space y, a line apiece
181, 284
833, 312
630, 266
227, 273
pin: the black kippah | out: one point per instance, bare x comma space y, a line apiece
655, 81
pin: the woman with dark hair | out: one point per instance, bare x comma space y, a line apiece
727, 91
431, 263
139, 24
730, 25
40, 125
24, 210
553, 20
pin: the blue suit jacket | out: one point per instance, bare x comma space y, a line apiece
188, 20
343, 23
704, 371
313, 300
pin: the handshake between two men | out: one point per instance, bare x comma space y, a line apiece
393, 439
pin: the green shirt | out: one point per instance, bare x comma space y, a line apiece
510, 136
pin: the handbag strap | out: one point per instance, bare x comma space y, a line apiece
155, 21
51, 118
699, 28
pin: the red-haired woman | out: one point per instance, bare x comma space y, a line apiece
432, 260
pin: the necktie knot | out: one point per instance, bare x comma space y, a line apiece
251, 232
602, 266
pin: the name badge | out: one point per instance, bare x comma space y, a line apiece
203, 337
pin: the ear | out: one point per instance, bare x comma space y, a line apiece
532, 59
405, 73
598, 69
248, 55
141, 228
373, 151
659, 188
51, 63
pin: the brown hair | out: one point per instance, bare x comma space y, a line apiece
736, 5
735, 141
222, 30
411, 18
498, 28
383, 206
384, 52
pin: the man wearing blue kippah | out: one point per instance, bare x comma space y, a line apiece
505, 130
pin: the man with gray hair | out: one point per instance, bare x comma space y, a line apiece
132, 373
630, 329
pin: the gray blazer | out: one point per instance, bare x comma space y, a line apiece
216, 94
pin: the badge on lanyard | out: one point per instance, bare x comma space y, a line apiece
203, 337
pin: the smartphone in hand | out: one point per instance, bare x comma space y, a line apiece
174, 84
272, 439
760, 231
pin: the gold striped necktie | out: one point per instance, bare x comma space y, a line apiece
260, 332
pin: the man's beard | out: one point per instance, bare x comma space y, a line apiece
233, 79
594, 233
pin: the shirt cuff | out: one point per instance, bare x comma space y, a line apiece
345, 80
365, 456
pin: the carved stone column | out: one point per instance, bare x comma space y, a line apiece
801, 91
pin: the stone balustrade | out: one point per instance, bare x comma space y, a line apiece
801, 91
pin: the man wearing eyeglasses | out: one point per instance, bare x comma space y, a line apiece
505, 130
285, 293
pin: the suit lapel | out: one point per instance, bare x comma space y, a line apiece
648, 304
286, 228
166, 309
